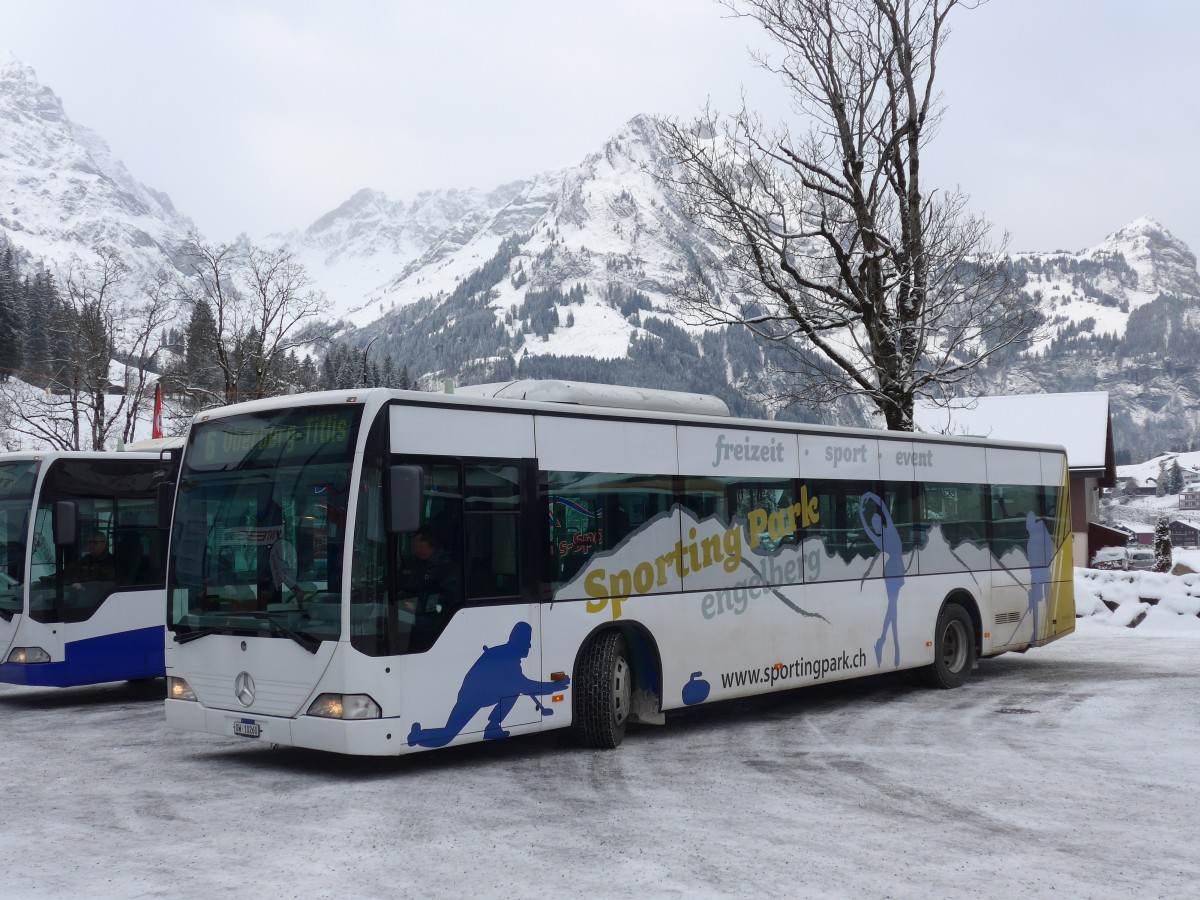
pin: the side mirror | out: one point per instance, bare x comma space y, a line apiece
406, 487
66, 521
166, 503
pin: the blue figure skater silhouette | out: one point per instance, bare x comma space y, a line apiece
495, 680
883, 534
1039, 551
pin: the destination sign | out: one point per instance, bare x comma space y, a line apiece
287, 437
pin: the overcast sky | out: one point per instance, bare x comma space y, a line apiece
1066, 119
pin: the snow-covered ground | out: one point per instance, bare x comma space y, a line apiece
1070, 771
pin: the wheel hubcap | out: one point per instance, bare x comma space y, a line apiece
622, 690
954, 647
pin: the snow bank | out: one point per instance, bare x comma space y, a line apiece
1148, 601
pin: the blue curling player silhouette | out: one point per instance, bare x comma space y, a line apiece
496, 680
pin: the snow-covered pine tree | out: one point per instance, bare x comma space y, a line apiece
1162, 545
1176, 477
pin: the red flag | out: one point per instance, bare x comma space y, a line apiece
156, 428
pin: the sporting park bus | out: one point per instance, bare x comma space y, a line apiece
381, 572
82, 566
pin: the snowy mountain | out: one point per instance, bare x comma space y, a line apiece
583, 283
355, 250
572, 277
61, 190
1124, 317
1095, 291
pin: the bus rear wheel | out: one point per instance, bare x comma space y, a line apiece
953, 648
603, 692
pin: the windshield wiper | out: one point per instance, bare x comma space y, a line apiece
189, 636
308, 642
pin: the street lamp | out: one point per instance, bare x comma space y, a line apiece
365, 349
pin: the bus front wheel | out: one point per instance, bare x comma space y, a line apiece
603, 692
953, 648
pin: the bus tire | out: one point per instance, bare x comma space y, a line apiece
953, 648
603, 691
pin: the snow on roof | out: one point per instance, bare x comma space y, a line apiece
1079, 422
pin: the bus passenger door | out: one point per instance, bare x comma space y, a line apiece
502, 577
480, 671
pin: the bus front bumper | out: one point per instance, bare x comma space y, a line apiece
366, 737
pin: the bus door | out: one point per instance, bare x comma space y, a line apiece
118, 547
468, 586
16, 496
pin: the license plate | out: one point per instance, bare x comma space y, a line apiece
247, 729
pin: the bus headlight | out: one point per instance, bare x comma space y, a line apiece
345, 706
27, 655
178, 689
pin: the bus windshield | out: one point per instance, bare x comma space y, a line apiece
17, 479
260, 523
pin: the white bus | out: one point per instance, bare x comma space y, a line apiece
381, 572
82, 566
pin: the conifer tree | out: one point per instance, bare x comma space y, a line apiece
38, 302
11, 309
1162, 545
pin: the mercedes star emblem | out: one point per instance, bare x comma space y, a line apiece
243, 688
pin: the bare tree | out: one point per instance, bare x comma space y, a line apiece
213, 285
833, 249
141, 333
256, 302
103, 332
281, 301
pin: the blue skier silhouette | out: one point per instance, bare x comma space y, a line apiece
1039, 551
883, 534
495, 680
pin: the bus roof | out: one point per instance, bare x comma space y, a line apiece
609, 396
51, 455
373, 397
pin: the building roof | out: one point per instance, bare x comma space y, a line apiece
1079, 422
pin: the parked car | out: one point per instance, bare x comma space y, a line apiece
1141, 559
1111, 558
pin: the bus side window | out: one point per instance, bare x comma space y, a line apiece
428, 564
138, 543
88, 567
757, 504
492, 524
592, 512
957, 510
1010, 506
898, 497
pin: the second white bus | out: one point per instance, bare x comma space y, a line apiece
82, 566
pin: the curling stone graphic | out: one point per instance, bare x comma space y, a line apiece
696, 690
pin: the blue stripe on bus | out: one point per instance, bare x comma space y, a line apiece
112, 657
